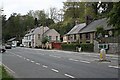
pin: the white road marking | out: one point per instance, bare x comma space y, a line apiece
9, 70
32, 61
55, 70
27, 59
20, 56
24, 58
73, 59
114, 66
114, 58
38, 63
69, 75
84, 61
45, 66
55, 56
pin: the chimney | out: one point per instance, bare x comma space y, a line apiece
76, 22
89, 19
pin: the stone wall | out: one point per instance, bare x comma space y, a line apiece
113, 47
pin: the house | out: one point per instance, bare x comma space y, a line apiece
52, 35
13, 42
88, 35
35, 36
73, 34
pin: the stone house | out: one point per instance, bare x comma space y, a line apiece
88, 35
73, 35
83, 33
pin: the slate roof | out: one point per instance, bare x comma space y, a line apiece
37, 30
50, 30
76, 29
97, 23
12, 39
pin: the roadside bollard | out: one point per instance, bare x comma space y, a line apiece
102, 54
79, 49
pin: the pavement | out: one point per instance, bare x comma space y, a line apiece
39, 63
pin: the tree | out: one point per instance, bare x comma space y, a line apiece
45, 40
114, 17
100, 33
53, 13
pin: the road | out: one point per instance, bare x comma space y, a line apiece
38, 63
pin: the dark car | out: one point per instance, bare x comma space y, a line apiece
2, 49
8, 46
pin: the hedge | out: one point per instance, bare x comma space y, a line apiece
73, 47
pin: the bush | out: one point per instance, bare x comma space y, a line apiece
87, 47
74, 47
69, 47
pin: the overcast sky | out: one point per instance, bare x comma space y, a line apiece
23, 6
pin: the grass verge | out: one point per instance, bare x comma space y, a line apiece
4, 75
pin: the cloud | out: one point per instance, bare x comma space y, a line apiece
23, 6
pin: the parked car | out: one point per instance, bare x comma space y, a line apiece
2, 49
8, 46
13, 45
21, 45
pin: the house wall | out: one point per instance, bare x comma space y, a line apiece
85, 40
65, 39
37, 42
53, 35
71, 38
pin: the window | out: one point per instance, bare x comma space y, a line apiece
74, 36
80, 36
56, 38
68, 37
38, 36
50, 38
88, 36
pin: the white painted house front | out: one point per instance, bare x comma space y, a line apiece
34, 37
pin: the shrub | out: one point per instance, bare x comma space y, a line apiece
68, 47
87, 47
74, 47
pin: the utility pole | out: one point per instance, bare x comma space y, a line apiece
1, 13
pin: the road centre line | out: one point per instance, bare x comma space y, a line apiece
32, 61
116, 67
84, 61
73, 59
45, 66
24, 58
38, 63
55, 70
28, 59
69, 75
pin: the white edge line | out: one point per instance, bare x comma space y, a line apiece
55, 70
69, 75
9, 70
114, 66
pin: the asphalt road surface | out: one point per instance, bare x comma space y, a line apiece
38, 63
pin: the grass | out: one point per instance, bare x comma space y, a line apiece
4, 75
